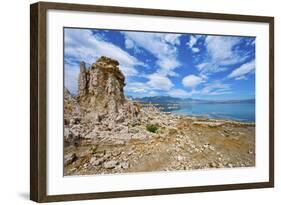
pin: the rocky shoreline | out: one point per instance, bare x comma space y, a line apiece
105, 133
180, 143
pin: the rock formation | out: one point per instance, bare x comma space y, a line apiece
104, 133
71, 107
101, 91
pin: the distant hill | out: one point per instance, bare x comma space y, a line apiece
158, 99
169, 99
237, 101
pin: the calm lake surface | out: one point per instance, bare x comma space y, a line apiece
232, 111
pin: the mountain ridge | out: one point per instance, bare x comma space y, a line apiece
169, 99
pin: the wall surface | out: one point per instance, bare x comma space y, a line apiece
14, 109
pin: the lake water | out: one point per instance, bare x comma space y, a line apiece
232, 111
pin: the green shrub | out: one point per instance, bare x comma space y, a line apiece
152, 128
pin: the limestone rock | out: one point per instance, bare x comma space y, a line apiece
110, 164
101, 91
70, 158
101, 87
71, 107
124, 165
96, 161
82, 82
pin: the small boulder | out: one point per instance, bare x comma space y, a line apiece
230, 165
120, 118
250, 152
110, 164
124, 165
96, 161
69, 159
67, 134
212, 148
72, 121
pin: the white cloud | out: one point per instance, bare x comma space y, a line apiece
82, 45
156, 83
215, 88
129, 71
179, 93
209, 89
137, 87
241, 78
221, 47
220, 92
140, 89
171, 38
166, 65
239, 73
195, 50
192, 42
201, 66
192, 81
221, 52
161, 46
129, 43
159, 82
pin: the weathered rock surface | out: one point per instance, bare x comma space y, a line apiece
69, 158
100, 105
106, 133
178, 144
101, 91
110, 164
71, 107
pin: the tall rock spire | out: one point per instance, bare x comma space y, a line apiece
82, 82
101, 88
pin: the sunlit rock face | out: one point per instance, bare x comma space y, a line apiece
101, 90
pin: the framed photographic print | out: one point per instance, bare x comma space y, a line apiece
134, 102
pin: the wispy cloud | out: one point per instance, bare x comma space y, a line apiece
162, 46
215, 88
241, 72
180, 93
141, 89
153, 84
83, 45
137, 87
192, 43
241, 78
222, 52
159, 82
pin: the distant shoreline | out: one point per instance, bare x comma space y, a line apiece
211, 119
179, 142
205, 117
180, 110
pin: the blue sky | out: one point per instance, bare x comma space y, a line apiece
167, 64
